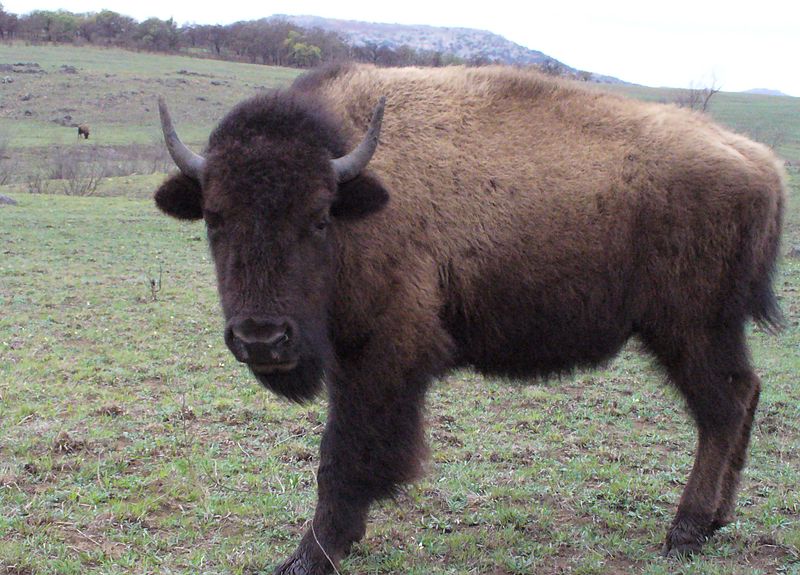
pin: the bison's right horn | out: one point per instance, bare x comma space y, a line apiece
348, 167
191, 164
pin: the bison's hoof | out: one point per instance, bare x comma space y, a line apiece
721, 519
292, 566
718, 524
684, 539
300, 564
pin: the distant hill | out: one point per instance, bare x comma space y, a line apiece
465, 43
765, 92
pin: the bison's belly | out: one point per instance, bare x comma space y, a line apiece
522, 329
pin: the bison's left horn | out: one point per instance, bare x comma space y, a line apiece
190, 164
348, 167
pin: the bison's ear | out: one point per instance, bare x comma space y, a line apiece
180, 197
359, 197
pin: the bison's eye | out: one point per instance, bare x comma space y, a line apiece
213, 219
321, 225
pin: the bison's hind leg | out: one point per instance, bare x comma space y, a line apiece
736, 462
711, 369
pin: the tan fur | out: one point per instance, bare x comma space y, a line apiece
546, 176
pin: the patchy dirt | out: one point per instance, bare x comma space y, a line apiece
8, 480
15, 570
111, 410
90, 540
185, 413
64, 443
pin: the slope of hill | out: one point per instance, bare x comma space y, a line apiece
115, 90
465, 43
772, 120
765, 92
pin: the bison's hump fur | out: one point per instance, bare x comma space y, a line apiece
588, 215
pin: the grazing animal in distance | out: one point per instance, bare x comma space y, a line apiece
508, 221
83, 130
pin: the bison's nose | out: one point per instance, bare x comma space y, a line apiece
264, 343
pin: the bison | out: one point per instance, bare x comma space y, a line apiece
83, 130
508, 221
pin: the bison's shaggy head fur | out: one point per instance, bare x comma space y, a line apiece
272, 206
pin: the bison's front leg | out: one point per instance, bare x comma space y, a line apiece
374, 439
373, 442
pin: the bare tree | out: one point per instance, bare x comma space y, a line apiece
79, 176
697, 98
552, 67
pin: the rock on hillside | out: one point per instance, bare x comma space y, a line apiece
466, 43
462, 42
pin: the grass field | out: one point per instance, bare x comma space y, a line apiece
772, 120
132, 442
114, 91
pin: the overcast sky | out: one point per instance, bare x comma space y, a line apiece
678, 43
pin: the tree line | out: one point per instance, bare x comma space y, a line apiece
270, 41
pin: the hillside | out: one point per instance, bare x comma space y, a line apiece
765, 92
114, 91
772, 120
467, 44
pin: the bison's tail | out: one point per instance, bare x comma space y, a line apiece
764, 307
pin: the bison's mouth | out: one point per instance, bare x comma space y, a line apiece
297, 379
269, 368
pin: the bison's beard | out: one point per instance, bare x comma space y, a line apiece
301, 384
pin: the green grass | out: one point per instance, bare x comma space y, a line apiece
125, 63
115, 91
130, 441
772, 120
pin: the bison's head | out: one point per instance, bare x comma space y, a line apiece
274, 187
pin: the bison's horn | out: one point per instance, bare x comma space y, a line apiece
190, 164
348, 167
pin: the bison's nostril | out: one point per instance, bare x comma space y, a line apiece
278, 336
260, 331
261, 340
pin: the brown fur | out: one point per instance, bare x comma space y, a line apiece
83, 130
532, 226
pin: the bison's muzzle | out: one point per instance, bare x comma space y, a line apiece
266, 344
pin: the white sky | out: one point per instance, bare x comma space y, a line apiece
739, 45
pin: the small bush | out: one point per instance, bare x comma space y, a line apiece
79, 176
36, 183
6, 168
